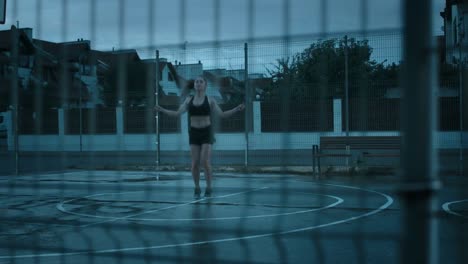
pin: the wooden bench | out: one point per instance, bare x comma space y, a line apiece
370, 147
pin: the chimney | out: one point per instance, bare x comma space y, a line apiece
28, 32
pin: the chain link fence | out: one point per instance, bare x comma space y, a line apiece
351, 147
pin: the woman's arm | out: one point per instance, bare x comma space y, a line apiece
182, 109
227, 113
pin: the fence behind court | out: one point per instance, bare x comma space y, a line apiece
93, 174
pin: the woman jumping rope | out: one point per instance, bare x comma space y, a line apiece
200, 107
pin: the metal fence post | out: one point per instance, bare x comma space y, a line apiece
460, 99
15, 93
419, 160
80, 113
314, 159
247, 105
158, 145
347, 99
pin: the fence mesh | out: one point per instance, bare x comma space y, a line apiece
349, 145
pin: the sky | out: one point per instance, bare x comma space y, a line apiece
146, 25
138, 23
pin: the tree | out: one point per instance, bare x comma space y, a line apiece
282, 77
319, 71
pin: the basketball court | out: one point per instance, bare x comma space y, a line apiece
137, 217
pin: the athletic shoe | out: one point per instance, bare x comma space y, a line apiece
208, 192
196, 193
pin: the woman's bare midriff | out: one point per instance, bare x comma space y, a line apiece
200, 121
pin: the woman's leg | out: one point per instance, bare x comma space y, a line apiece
206, 163
195, 152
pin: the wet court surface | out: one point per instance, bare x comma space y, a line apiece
138, 217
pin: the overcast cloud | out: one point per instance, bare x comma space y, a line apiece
204, 20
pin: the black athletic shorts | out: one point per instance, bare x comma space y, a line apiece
200, 136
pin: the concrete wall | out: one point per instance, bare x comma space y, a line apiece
224, 141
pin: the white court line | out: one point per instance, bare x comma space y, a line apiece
113, 219
446, 207
215, 241
131, 217
338, 201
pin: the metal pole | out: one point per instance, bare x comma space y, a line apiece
247, 105
15, 93
348, 150
158, 148
81, 115
460, 98
419, 181
314, 159
346, 88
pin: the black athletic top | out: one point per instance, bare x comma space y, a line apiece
199, 110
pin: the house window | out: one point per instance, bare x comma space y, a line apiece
48, 74
23, 61
3, 70
87, 70
45, 74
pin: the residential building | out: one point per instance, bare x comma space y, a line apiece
455, 30
82, 69
455, 16
106, 78
38, 68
